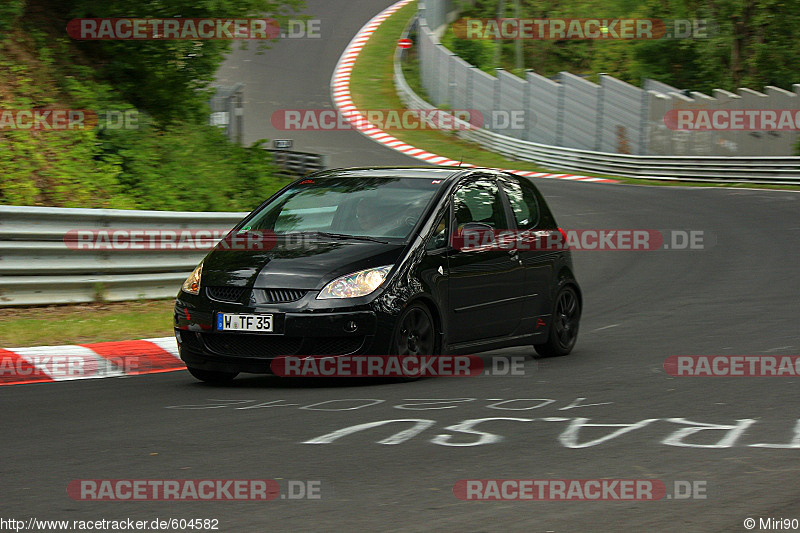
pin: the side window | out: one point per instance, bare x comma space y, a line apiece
523, 202
479, 202
439, 237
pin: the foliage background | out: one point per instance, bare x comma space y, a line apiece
751, 43
174, 160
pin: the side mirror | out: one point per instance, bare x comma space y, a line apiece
470, 235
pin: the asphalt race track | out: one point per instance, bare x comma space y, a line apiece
736, 296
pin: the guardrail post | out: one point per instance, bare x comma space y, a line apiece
451, 82
644, 119
598, 131
560, 114
497, 89
470, 82
239, 112
530, 117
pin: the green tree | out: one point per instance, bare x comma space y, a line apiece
166, 78
749, 43
173, 161
10, 12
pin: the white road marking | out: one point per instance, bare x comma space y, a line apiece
604, 327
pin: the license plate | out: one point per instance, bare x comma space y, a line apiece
237, 322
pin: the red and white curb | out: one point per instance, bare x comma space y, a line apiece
340, 87
46, 364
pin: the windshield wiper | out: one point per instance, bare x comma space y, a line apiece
345, 236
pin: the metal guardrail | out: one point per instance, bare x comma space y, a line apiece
299, 163
765, 169
227, 111
37, 266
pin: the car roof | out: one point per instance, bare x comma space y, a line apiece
442, 172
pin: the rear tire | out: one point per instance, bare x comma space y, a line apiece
564, 327
212, 376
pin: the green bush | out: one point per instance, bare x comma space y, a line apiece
189, 167
474, 51
174, 160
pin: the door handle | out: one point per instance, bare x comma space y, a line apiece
515, 256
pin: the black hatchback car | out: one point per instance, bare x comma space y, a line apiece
379, 261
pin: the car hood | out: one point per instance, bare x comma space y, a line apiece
296, 266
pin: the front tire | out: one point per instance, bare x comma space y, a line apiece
564, 328
414, 335
212, 376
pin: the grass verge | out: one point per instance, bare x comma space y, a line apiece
83, 323
372, 87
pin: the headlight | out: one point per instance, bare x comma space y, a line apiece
356, 284
192, 283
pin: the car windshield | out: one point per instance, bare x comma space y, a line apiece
377, 207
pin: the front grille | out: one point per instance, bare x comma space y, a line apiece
274, 296
335, 345
226, 294
251, 345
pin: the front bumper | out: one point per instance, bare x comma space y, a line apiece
302, 334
